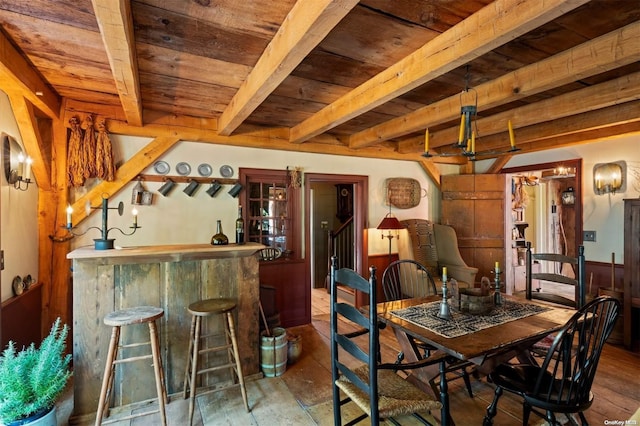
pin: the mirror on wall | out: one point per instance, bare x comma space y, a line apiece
12, 158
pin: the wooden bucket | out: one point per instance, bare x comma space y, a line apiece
273, 352
472, 300
617, 335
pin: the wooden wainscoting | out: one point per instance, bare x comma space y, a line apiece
21, 316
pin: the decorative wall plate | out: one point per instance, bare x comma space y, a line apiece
204, 170
161, 167
404, 193
226, 171
183, 169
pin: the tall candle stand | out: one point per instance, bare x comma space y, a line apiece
104, 243
445, 310
497, 296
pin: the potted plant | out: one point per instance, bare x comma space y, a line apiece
31, 380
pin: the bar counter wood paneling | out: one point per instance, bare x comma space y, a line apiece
171, 277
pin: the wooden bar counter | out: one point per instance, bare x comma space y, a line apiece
170, 277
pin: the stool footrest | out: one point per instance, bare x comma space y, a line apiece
216, 368
216, 349
129, 417
133, 358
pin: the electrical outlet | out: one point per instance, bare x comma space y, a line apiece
589, 236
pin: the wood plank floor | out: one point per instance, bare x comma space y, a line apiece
302, 395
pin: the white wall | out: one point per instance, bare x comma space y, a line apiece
18, 216
178, 219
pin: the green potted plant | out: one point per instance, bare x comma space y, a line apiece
31, 380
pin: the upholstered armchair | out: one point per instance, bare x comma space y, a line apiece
435, 246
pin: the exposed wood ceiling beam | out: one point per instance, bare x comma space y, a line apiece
304, 27
610, 51
17, 76
483, 31
116, 27
28, 124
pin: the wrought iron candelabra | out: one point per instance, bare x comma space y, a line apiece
103, 243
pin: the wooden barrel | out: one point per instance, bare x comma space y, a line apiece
617, 335
273, 352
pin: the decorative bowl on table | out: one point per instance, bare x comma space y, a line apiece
475, 301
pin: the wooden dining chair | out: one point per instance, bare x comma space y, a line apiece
562, 383
357, 375
553, 274
406, 279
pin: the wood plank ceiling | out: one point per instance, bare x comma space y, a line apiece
360, 78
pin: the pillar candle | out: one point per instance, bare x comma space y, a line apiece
134, 212
497, 266
473, 141
27, 169
20, 170
444, 274
512, 138
461, 135
69, 212
426, 140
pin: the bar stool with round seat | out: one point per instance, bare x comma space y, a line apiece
118, 319
200, 310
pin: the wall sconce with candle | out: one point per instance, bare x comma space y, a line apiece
609, 178
17, 166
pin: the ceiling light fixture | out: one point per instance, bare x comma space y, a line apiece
466, 143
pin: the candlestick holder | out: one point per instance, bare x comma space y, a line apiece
104, 243
445, 310
497, 296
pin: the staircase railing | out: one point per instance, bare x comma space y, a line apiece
341, 244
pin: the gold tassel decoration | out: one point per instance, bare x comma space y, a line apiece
75, 175
105, 166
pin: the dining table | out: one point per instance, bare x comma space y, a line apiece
506, 332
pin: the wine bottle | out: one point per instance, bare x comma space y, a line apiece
239, 227
219, 238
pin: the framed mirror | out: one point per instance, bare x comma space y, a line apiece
11, 149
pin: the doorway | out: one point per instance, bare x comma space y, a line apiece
323, 192
546, 211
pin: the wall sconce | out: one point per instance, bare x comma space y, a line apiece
609, 177
390, 223
17, 167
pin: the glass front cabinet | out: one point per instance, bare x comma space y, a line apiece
272, 209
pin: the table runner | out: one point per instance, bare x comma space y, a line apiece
426, 315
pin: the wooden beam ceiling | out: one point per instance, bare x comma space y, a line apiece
483, 31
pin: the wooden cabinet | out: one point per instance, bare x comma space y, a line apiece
631, 312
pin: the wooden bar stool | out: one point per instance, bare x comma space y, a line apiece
118, 319
199, 310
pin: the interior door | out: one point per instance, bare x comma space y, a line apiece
474, 206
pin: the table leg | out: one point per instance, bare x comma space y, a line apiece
445, 415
